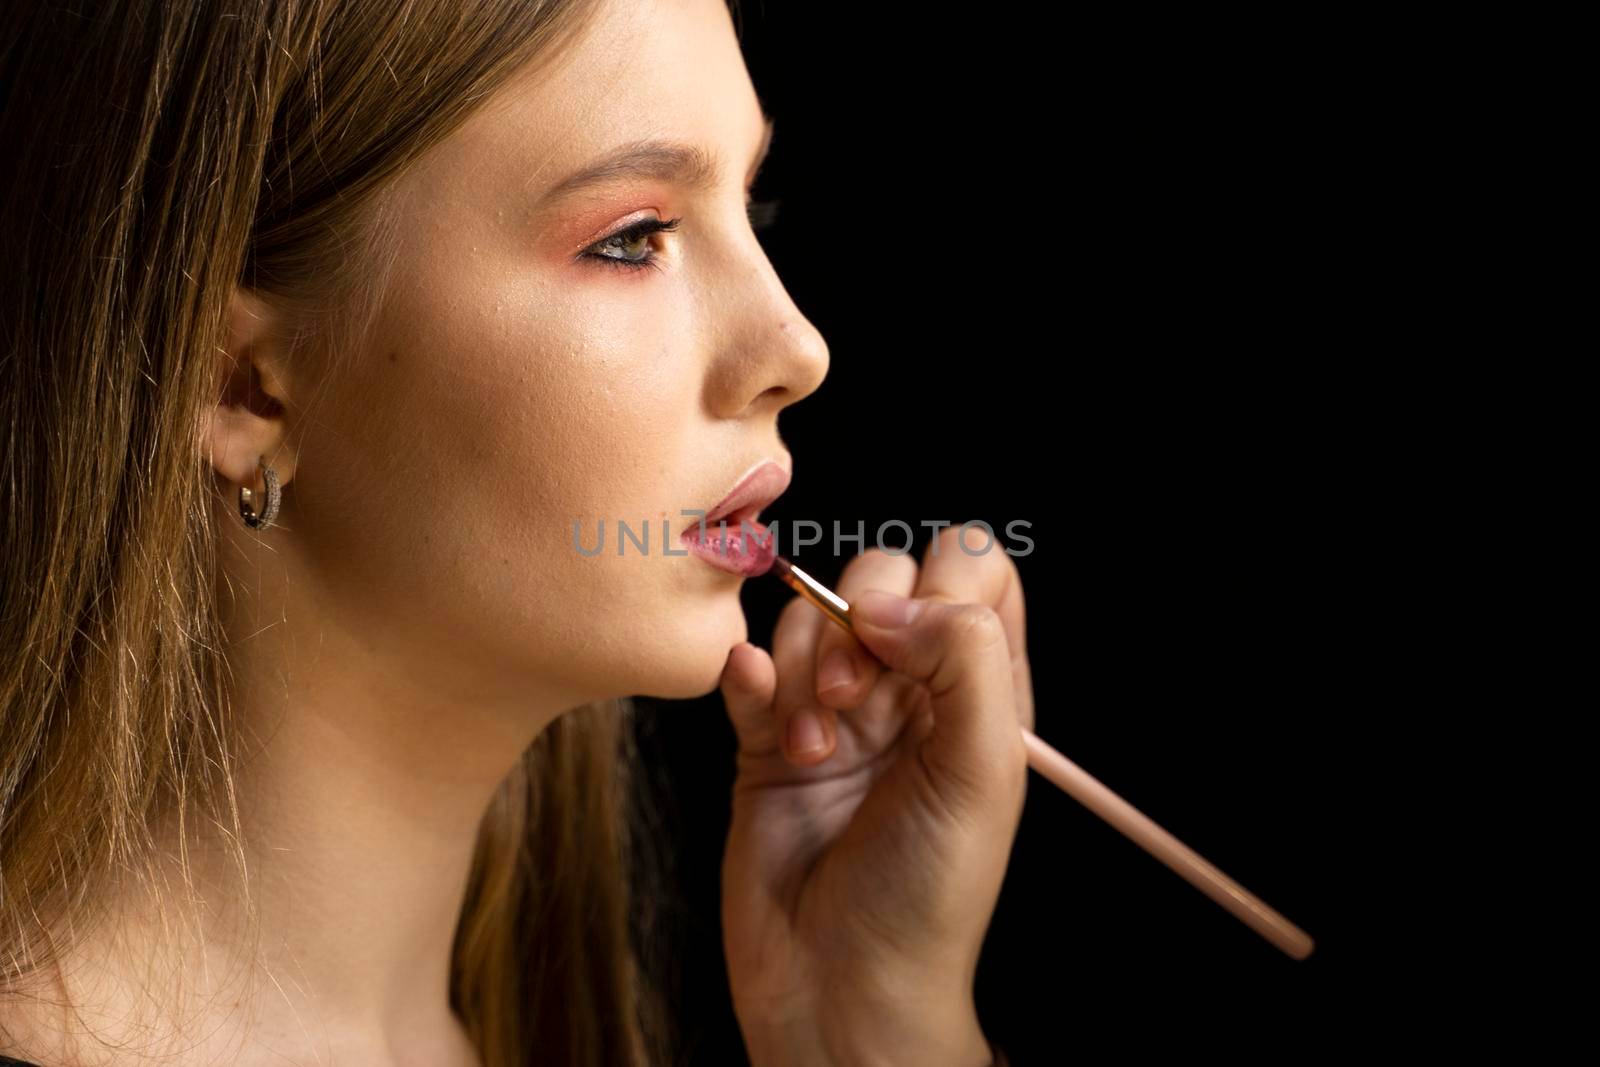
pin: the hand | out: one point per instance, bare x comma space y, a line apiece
859, 879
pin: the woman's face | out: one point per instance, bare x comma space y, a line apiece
519, 383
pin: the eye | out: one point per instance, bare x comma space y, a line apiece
624, 241
620, 251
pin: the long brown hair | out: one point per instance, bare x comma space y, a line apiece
163, 153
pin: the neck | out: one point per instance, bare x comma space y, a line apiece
363, 782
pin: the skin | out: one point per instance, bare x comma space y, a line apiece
859, 878
418, 614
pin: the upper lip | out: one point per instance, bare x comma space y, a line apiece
758, 488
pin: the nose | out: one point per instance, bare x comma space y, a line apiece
770, 354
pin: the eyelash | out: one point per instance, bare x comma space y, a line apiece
762, 214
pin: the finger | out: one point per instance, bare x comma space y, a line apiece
982, 573
748, 683
809, 731
845, 671
973, 753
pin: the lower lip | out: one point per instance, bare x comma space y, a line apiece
745, 550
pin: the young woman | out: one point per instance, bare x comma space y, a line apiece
325, 324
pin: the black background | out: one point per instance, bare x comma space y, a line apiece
1093, 277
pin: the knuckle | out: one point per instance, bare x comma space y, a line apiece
973, 626
877, 569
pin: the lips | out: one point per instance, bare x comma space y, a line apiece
746, 548
755, 491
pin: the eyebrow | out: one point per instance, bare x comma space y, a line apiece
667, 161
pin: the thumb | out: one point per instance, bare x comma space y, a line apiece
959, 652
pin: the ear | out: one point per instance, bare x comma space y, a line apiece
248, 419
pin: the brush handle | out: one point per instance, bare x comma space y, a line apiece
1089, 791
1139, 828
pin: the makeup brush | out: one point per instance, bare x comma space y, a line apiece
1092, 794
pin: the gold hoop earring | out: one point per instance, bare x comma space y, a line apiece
246, 499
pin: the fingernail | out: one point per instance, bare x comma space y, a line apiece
805, 734
884, 609
838, 670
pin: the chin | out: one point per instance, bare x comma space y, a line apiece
691, 661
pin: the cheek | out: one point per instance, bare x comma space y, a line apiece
552, 414
506, 417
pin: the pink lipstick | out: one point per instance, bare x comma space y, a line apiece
730, 537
